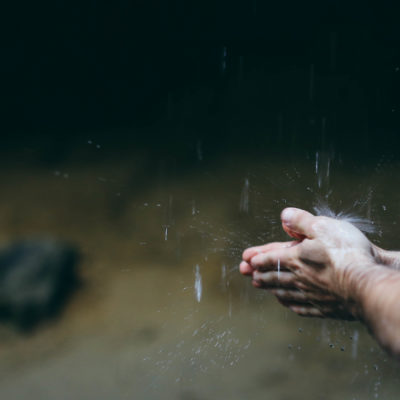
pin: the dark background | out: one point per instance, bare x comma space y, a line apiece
167, 75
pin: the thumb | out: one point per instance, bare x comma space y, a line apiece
297, 223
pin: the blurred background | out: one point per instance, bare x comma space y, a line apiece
144, 145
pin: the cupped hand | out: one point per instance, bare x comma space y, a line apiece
319, 271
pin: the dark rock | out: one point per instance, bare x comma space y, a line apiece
36, 278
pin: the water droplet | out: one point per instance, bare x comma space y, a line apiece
198, 284
166, 233
279, 268
193, 207
244, 197
354, 345
223, 276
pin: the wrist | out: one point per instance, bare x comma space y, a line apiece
361, 284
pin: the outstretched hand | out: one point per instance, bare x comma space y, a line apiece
317, 273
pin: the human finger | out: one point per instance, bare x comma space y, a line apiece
245, 268
284, 258
249, 253
297, 223
303, 296
326, 310
303, 309
307, 311
275, 279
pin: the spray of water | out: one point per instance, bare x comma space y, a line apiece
363, 224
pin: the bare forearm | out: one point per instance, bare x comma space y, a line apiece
378, 295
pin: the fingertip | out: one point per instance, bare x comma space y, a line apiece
245, 268
297, 223
287, 214
249, 253
297, 309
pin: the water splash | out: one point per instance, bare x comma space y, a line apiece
363, 224
198, 286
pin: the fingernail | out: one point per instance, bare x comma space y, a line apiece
287, 215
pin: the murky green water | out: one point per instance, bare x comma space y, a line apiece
138, 329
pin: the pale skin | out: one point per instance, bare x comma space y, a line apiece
331, 270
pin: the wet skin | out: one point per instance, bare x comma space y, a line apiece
330, 270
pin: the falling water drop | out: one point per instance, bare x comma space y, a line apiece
279, 268
325, 333
198, 287
166, 233
354, 346
369, 204
323, 162
244, 197
223, 277
193, 207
